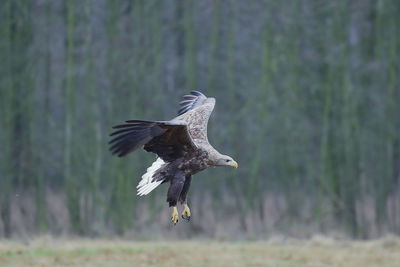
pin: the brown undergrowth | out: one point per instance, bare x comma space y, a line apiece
318, 251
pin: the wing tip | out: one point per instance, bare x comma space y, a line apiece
196, 93
189, 101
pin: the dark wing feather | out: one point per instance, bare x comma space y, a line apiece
191, 101
169, 140
173, 143
132, 135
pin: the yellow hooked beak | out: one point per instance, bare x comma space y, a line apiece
235, 165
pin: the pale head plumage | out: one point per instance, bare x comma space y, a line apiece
225, 160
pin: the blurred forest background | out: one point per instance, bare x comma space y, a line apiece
307, 102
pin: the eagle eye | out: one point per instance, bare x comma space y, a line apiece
227, 160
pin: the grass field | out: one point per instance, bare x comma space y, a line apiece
315, 252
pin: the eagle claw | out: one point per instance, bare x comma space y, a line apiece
186, 212
185, 217
174, 216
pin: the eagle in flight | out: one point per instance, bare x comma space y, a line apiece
181, 145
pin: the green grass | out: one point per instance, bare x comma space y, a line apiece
316, 252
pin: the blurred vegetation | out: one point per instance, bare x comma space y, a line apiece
307, 102
277, 253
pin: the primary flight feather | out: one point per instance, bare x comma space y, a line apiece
181, 145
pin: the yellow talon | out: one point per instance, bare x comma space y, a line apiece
186, 212
175, 215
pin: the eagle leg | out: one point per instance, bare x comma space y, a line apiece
174, 191
174, 215
186, 212
182, 198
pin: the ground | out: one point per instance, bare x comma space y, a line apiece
275, 253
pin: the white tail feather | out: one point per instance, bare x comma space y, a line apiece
146, 185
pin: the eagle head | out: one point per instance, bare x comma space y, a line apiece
225, 160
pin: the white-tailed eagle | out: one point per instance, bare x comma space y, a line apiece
181, 145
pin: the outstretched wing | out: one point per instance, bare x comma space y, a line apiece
195, 110
168, 139
194, 99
